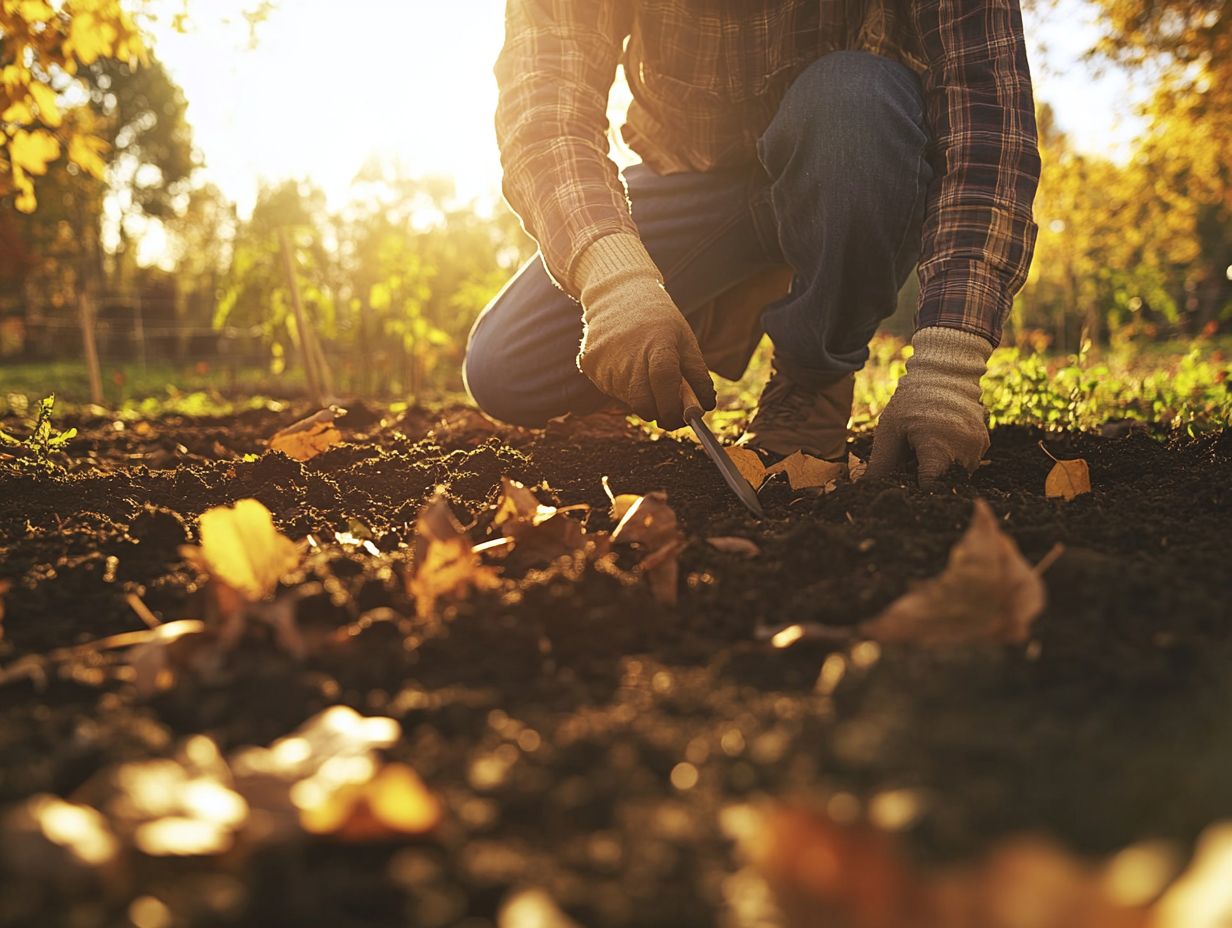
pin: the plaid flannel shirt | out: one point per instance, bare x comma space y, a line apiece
707, 77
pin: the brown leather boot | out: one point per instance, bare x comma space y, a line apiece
806, 415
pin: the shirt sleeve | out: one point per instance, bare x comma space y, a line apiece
979, 233
554, 74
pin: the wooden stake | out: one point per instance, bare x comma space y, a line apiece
85, 311
301, 323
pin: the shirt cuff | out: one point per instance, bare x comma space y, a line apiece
971, 297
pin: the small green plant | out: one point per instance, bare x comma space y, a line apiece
36, 451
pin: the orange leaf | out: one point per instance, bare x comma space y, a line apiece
308, 437
1068, 479
748, 462
807, 472
987, 593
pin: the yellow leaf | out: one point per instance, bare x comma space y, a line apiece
652, 524
84, 151
805, 471
32, 151
35, 11
308, 437
1068, 479
25, 200
446, 567
748, 462
988, 593
394, 802
241, 547
49, 109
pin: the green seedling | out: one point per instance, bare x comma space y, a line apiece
36, 452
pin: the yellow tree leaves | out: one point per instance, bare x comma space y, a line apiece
988, 593
55, 41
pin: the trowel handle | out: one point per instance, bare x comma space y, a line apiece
688, 399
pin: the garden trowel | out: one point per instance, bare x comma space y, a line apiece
741, 487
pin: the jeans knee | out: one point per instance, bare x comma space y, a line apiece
481, 375
848, 110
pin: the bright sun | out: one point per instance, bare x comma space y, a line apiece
330, 84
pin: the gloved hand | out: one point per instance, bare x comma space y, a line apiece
936, 409
637, 347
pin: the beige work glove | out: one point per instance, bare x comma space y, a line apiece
936, 409
637, 347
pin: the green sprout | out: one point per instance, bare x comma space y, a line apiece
36, 451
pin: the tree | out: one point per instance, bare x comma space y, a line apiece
43, 52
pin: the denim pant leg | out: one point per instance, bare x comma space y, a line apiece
705, 236
846, 157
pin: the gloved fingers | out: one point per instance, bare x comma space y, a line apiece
663, 368
934, 458
697, 372
889, 449
641, 400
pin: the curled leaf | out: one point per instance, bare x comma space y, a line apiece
542, 532
651, 524
308, 437
987, 593
446, 567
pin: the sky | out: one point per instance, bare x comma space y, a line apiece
330, 84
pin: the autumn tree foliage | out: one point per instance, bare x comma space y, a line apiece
44, 51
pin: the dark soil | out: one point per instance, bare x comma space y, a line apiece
1114, 726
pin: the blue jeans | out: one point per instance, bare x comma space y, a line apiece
837, 195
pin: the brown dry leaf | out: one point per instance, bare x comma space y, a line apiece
1068, 479
241, 548
308, 437
652, 524
732, 544
807, 472
445, 565
541, 532
855, 467
749, 463
988, 593
393, 803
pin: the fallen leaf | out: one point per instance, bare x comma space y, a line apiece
241, 548
1068, 479
855, 467
731, 544
987, 593
308, 437
394, 802
651, 524
807, 472
541, 532
749, 463
446, 567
